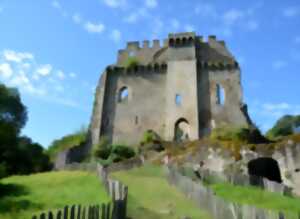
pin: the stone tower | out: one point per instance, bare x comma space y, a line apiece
180, 90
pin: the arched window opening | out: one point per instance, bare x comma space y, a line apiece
178, 99
220, 95
123, 94
182, 130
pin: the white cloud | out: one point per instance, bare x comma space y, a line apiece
72, 75
189, 28
60, 74
116, 35
77, 18
136, 16
151, 3
94, 28
18, 57
252, 25
291, 11
206, 10
56, 4
297, 39
175, 24
44, 70
279, 64
276, 106
5, 70
232, 16
115, 3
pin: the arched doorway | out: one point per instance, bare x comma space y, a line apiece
263, 167
182, 130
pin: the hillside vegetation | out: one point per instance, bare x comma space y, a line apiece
23, 196
66, 142
284, 126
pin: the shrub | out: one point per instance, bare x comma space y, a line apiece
150, 136
106, 154
131, 62
248, 135
103, 149
123, 151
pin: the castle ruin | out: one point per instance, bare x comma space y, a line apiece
180, 90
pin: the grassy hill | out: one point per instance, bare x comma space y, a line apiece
151, 197
23, 196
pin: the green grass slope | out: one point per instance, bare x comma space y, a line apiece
23, 196
151, 197
257, 197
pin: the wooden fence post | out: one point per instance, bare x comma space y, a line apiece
83, 213
50, 215
72, 212
66, 211
59, 215
79, 212
43, 216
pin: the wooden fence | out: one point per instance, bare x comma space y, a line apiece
216, 206
78, 212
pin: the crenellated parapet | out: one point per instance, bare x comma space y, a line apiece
138, 69
218, 65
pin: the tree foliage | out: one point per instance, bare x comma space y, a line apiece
284, 126
18, 155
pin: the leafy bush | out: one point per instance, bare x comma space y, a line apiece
107, 154
150, 136
66, 142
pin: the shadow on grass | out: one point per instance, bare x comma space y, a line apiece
10, 200
13, 190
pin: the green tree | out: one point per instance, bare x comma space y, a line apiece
12, 109
284, 126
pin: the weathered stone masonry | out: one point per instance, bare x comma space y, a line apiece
177, 86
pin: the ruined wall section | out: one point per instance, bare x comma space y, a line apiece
96, 120
144, 54
227, 77
126, 121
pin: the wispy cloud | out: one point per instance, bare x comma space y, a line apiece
116, 35
57, 5
297, 39
94, 27
77, 18
151, 3
136, 16
279, 64
291, 11
43, 81
115, 3
189, 28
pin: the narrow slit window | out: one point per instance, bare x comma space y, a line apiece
123, 94
178, 99
220, 95
136, 120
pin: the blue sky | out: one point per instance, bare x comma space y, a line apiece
54, 51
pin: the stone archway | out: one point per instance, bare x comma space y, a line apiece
263, 167
181, 130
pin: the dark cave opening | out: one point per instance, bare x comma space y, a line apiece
263, 167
